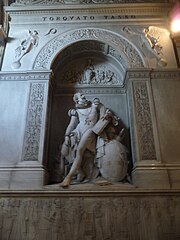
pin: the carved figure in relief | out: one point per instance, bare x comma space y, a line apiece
155, 45
86, 139
91, 75
89, 72
152, 41
25, 47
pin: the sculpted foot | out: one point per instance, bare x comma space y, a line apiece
66, 182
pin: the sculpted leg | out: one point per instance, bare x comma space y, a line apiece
83, 145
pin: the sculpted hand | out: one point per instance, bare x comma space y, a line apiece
67, 140
108, 114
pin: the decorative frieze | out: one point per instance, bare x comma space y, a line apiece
91, 90
153, 74
66, 16
34, 122
166, 75
57, 2
80, 217
144, 121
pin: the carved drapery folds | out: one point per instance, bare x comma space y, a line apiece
144, 121
34, 121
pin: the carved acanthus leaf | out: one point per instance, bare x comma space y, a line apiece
34, 121
144, 122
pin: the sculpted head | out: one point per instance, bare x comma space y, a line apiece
80, 99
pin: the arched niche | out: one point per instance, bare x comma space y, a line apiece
85, 66
70, 65
129, 55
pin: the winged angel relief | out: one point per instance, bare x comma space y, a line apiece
25, 47
150, 40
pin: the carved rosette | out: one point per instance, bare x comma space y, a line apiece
144, 121
129, 54
34, 122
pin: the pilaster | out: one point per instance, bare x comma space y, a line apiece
152, 168
24, 115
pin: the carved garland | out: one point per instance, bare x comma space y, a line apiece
129, 54
33, 124
144, 122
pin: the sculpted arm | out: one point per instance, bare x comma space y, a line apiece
73, 122
72, 125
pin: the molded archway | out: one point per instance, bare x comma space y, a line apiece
129, 55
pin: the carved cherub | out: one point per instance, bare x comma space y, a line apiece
25, 47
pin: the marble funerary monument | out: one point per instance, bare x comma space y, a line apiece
89, 120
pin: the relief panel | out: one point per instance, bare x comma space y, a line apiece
144, 121
126, 218
57, 2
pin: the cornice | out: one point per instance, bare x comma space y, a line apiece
137, 9
25, 76
167, 75
91, 90
22, 3
97, 192
173, 74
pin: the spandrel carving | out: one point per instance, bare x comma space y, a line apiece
91, 145
150, 40
29, 42
153, 39
25, 47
